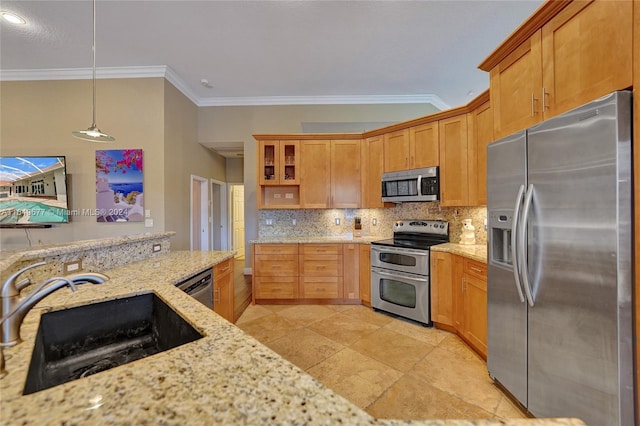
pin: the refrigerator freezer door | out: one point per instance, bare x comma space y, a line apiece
506, 315
578, 349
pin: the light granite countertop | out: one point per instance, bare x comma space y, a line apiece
227, 377
476, 252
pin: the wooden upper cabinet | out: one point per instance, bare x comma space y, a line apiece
372, 165
278, 162
330, 174
315, 174
396, 151
516, 87
345, 174
586, 53
582, 52
480, 128
424, 146
453, 161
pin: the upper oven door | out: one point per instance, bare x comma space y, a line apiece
400, 259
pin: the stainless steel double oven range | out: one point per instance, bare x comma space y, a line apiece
400, 268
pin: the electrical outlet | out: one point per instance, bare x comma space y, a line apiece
73, 266
374, 222
269, 222
157, 247
337, 221
293, 222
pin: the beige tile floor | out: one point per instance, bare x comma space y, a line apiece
389, 367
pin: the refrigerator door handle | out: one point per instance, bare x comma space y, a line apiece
522, 244
515, 253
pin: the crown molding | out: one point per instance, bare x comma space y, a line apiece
171, 76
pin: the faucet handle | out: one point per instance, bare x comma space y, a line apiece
10, 288
22, 284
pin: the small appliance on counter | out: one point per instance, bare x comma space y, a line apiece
400, 268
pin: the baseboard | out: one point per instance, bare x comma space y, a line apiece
248, 271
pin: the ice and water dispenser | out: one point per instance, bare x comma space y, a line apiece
500, 228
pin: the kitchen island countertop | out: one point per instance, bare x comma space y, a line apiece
227, 377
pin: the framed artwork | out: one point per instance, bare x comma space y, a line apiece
119, 186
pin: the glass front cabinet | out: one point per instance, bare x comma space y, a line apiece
279, 162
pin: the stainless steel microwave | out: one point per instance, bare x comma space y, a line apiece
411, 185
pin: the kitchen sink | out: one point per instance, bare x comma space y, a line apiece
81, 341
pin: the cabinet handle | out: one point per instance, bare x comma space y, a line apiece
216, 295
473, 268
533, 105
544, 103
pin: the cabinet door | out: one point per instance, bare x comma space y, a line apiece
351, 272
424, 145
268, 162
372, 166
396, 151
480, 135
516, 87
365, 274
289, 160
315, 183
587, 53
457, 265
454, 188
345, 174
223, 290
441, 288
475, 312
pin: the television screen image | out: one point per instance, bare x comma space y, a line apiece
33, 190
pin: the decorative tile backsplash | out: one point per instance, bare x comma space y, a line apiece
322, 222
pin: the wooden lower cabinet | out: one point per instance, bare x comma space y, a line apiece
305, 273
459, 298
365, 274
224, 289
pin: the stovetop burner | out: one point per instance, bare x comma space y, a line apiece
417, 234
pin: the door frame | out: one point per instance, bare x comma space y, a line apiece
231, 241
205, 213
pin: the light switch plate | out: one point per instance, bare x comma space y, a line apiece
147, 213
148, 223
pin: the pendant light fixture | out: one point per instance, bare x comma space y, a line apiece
93, 133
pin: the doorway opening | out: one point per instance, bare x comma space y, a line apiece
237, 219
219, 215
199, 227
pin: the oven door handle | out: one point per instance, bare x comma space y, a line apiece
382, 249
396, 274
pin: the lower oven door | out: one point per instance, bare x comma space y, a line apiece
400, 293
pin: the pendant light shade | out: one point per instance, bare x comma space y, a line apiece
93, 133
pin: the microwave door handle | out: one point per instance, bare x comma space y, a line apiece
515, 253
419, 188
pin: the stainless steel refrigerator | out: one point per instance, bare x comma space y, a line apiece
560, 268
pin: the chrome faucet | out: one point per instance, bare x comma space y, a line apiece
14, 309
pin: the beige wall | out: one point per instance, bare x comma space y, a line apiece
224, 124
37, 118
235, 170
183, 157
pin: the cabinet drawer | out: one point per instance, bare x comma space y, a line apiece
321, 265
223, 268
321, 249
475, 268
276, 249
321, 287
273, 265
276, 287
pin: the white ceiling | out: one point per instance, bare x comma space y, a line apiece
269, 52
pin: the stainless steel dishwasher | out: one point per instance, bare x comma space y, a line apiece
200, 287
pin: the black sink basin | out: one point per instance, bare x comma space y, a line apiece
77, 342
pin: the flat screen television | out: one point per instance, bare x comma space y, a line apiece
33, 191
